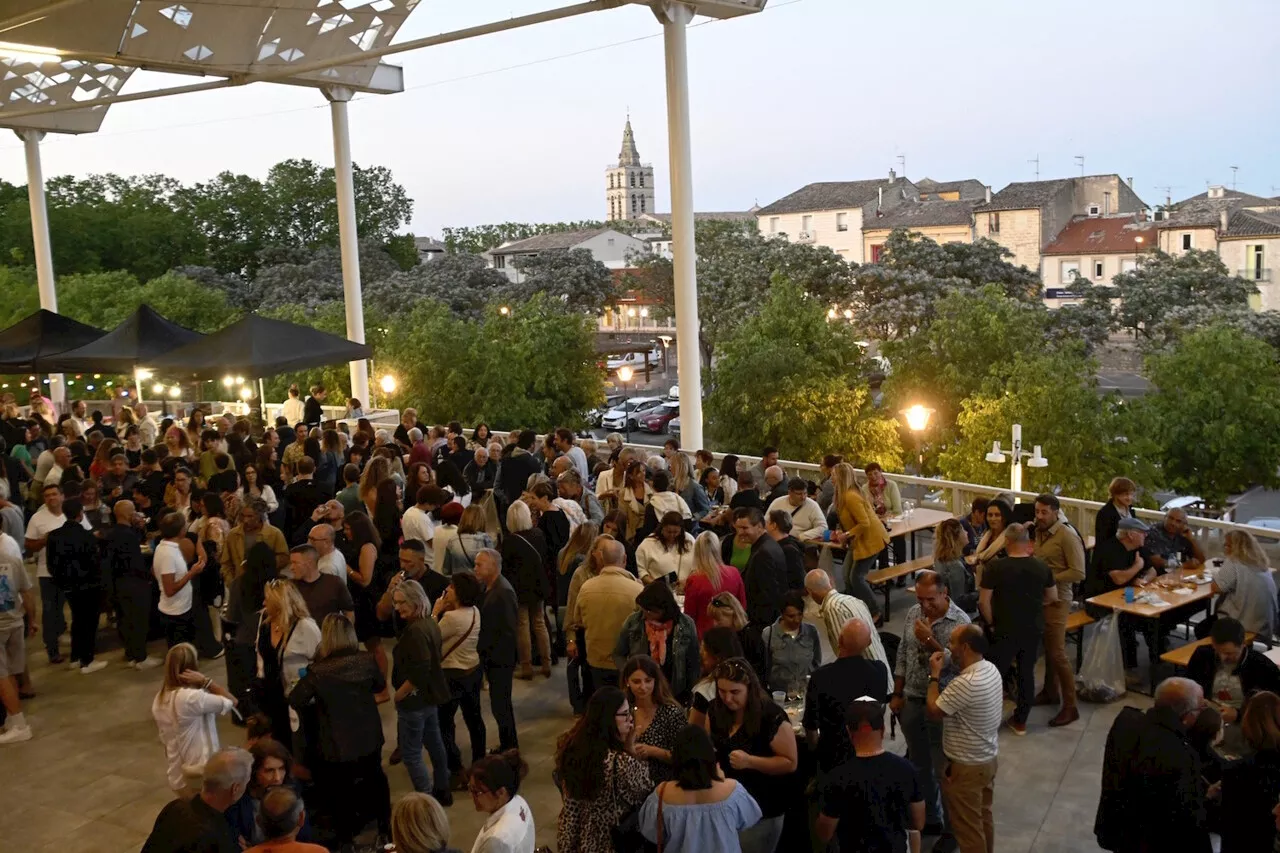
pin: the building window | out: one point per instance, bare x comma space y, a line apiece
1070, 270
1097, 270
1255, 258
633, 179
875, 253
806, 224
1186, 242
633, 204
1094, 210
642, 179
993, 223
842, 222
642, 197
773, 224
500, 262
1128, 265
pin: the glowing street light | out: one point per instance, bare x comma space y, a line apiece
388, 384
175, 392
246, 392
227, 381
504, 311
624, 376
158, 388
144, 375
917, 417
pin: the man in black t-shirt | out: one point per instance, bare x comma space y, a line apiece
872, 803
1119, 562
833, 687
1014, 593
198, 825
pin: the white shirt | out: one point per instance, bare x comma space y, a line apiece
665, 502
837, 609
334, 564
974, 705
188, 730
807, 520
147, 431
268, 495
169, 561
578, 457
444, 533
38, 528
54, 477
81, 426
453, 628
417, 524
654, 561
293, 410
508, 830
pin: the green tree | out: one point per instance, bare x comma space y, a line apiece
478, 239
428, 349
465, 283
1055, 398
572, 276
788, 377
736, 268
1214, 418
1162, 283
187, 303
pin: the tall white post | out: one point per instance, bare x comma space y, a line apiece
40, 237
348, 238
1015, 472
675, 19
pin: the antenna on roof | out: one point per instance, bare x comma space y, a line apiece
1168, 195
1037, 162
1079, 158
1234, 170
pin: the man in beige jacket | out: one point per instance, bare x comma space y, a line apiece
603, 604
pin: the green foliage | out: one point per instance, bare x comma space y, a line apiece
787, 377
477, 239
532, 368
1055, 398
106, 299
1214, 419
1162, 284
572, 276
465, 283
21, 297
736, 268
403, 250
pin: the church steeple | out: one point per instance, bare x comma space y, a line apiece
629, 156
629, 190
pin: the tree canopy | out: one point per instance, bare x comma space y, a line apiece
1162, 283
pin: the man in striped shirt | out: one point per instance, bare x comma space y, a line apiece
970, 708
836, 609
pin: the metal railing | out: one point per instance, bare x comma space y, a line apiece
1263, 274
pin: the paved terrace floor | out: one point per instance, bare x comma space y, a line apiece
92, 779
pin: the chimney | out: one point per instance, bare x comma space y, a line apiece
988, 195
1106, 204
1224, 219
1216, 191
879, 197
893, 176
1131, 183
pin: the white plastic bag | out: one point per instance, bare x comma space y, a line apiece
1101, 679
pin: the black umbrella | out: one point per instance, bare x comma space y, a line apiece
143, 337
30, 343
258, 346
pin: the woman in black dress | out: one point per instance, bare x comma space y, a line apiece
658, 716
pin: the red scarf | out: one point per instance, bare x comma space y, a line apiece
657, 632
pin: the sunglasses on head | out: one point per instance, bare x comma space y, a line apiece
722, 603
734, 671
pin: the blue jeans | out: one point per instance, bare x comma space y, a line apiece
924, 746
53, 604
855, 580
414, 730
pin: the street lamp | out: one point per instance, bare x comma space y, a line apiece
997, 457
388, 384
918, 421
666, 353
624, 376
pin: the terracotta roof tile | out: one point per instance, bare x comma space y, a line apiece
1102, 235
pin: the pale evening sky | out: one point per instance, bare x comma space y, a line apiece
1173, 92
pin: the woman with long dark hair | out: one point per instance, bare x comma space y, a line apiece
991, 545
756, 745
480, 437
495, 790
272, 768
658, 716
253, 486
457, 612
361, 552
729, 476
600, 780
245, 597
701, 810
659, 630
386, 517
449, 477
666, 555
330, 463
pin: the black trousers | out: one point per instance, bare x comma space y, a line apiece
464, 690
86, 607
133, 599
1018, 653
349, 794
206, 643
179, 629
500, 680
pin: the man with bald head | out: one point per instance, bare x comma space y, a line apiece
131, 581
603, 604
834, 686
1153, 793
836, 609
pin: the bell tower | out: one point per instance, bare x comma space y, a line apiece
629, 188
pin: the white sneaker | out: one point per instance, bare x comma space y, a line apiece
93, 667
15, 735
148, 663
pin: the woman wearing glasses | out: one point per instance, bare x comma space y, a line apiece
600, 779
495, 784
756, 745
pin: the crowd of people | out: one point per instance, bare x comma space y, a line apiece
337, 568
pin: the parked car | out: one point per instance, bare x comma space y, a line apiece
657, 419
617, 417
595, 417
673, 428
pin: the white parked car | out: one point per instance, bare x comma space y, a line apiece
617, 417
635, 360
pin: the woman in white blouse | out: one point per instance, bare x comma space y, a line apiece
665, 552
252, 488
458, 613
495, 786
185, 712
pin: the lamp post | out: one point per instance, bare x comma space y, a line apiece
666, 353
388, 386
624, 376
918, 421
1036, 459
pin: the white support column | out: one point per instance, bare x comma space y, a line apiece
40, 237
675, 19
349, 239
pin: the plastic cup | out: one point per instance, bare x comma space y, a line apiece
779, 697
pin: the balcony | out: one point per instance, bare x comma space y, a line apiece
806, 237
1263, 274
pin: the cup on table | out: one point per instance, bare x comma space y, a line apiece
779, 697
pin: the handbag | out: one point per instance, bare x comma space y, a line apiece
625, 835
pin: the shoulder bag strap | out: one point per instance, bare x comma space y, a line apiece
463, 639
660, 826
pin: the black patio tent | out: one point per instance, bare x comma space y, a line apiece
143, 336
30, 343
257, 347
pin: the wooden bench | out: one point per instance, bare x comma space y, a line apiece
1076, 623
1181, 656
885, 577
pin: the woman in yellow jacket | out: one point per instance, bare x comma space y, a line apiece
862, 530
